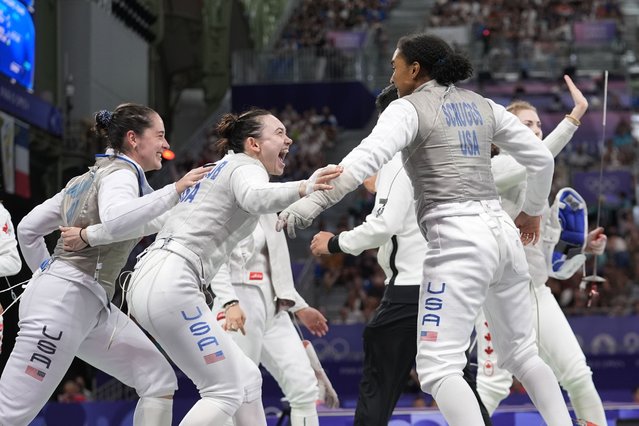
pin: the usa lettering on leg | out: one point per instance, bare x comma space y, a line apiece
431, 304
202, 328
46, 349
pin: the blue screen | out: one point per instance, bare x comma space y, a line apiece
17, 42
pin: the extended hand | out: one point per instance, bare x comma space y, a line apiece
580, 101
528, 227
319, 244
313, 319
320, 179
191, 178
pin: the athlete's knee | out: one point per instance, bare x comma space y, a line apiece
161, 384
522, 367
518, 357
571, 370
228, 396
302, 389
432, 370
578, 382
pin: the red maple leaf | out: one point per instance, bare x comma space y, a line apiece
488, 337
5, 228
489, 350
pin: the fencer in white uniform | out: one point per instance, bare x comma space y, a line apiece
389, 337
558, 346
65, 310
259, 268
10, 263
165, 294
475, 255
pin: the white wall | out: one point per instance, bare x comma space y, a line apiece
108, 61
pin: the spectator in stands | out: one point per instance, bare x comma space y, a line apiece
71, 393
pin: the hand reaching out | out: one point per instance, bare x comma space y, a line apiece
313, 319
529, 228
191, 178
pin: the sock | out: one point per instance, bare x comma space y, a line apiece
153, 411
205, 412
304, 415
586, 401
457, 402
542, 387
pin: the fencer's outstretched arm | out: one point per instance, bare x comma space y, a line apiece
395, 129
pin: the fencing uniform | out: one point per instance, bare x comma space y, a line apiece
474, 254
391, 226
65, 310
558, 346
260, 269
10, 262
166, 295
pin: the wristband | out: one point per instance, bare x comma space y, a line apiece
333, 245
83, 240
230, 304
573, 120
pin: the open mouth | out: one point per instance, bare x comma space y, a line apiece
282, 155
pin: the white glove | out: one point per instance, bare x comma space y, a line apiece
300, 214
326, 392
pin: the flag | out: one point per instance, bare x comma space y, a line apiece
23, 183
214, 357
35, 373
428, 336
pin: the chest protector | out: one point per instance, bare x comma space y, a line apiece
449, 160
80, 208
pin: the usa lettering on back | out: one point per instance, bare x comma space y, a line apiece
465, 115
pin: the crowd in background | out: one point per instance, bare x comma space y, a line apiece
312, 20
527, 31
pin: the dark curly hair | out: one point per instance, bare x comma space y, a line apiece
436, 58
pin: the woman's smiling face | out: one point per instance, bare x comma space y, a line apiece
274, 144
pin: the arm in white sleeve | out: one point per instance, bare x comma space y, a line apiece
300, 303
524, 146
396, 128
512, 173
41, 221
222, 287
10, 263
256, 195
98, 235
121, 207
395, 199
